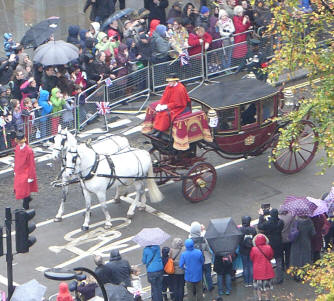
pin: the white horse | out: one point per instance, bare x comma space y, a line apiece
99, 172
64, 140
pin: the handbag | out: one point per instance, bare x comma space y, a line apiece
294, 232
169, 266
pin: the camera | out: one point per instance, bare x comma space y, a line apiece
266, 209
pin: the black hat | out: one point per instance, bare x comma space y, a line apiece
19, 135
172, 76
255, 41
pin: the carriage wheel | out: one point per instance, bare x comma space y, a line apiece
300, 152
199, 182
162, 176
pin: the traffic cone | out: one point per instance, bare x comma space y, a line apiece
64, 294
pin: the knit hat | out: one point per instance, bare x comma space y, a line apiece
161, 30
195, 229
64, 294
204, 9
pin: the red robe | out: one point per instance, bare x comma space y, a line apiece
24, 169
176, 98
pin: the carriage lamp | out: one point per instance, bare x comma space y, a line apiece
213, 118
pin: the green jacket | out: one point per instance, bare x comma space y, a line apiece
57, 103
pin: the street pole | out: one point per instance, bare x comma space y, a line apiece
9, 255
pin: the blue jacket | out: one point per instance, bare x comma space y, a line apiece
156, 264
192, 261
43, 102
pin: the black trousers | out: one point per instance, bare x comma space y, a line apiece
121, 3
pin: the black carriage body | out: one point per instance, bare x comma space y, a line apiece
245, 109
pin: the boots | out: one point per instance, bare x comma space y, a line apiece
26, 202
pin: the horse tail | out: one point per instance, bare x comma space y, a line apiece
153, 190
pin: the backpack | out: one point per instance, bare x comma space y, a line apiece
248, 241
199, 243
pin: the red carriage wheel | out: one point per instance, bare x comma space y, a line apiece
300, 151
199, 182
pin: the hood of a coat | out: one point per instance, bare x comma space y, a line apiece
189, 244
100, 36
114, 255
7, 36
260, 240
96, 26
43, 95
274, 214
153, 25
54, 91
82, 34
246, 220
177, 243
195, 229
73, 30
161, 30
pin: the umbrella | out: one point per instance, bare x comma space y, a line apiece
150, 237
322, 206
115, 16
329, 199
299, 206
40, 32
29, 291
223, 235
56, 53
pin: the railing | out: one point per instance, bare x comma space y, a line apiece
220, 60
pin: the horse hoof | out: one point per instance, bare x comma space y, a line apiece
57, 219
107, 227
130, 216
84, 228
117, 201
141, 208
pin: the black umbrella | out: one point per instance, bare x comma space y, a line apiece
115, 16
223, 235
40, 33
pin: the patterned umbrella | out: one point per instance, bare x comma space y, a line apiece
330, 201
322, 206
299, 206
150, 237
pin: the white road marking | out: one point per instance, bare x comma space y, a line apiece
133, 130
141, 116
119, 123
4, 281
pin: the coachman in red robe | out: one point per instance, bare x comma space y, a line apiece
25, 180
174, 101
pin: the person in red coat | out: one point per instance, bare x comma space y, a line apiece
25, 180
173, 101
263, 272
200, 41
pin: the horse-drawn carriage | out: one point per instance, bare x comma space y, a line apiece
236, 120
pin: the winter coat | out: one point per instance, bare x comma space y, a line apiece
153, 25
24, 169
239, 51
300, 253
122, 61
288, 221
6, 71
103, 273
8, 46
150, 252
195, 45
16, 92
202, 21
43, 102
28, 91
115, 292
226, 30
273, 230
195, 235
68, 113
246, 229
173, 13
221, 266
101, 8
120, 269
105, 46
318, 222
262, 268
160, 47
214, 32
49, 82
175, 253
73, 32
57, 103
158, 11
191, 262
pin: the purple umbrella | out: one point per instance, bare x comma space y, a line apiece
329, 199
299, 206
322, 206
150, 237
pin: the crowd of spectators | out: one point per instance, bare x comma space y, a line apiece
109, 51
272, 238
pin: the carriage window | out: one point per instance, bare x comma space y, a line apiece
248, 113
268, 109
226, 119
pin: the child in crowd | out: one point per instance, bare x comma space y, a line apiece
8, 44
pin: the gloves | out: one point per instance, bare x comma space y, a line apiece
157, 108
160, 107
30, 180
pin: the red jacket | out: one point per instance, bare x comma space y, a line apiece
193, 41
24, 169
262, 268
240, 51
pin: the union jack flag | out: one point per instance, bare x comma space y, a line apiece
103, 108
184, 57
